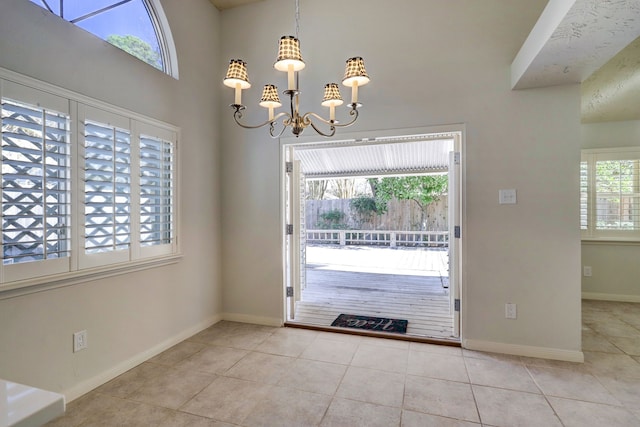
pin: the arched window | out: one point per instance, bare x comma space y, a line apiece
138, 27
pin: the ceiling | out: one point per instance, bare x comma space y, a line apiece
228, 4
593, 42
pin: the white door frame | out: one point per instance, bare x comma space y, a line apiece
363, 136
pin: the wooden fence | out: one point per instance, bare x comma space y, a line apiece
439, 239
400, 215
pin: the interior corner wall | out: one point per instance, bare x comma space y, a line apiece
431, 63
615, 268
130, 316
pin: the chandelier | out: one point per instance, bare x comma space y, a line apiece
289, 60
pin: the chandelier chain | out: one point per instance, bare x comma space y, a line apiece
297, 19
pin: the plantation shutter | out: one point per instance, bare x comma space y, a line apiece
612, 186
584, 195
35, 183
617, 195
157, 193
107, 181
86, 188
106, 175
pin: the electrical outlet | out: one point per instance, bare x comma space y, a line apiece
80, 341
510, 311
586, 271
507, 197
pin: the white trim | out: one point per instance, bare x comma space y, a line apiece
256, 320
370, 136
122, 367
613, 151
458, 131
610, 297
609, 242
525, 350
44, 283
165, 39
591, 157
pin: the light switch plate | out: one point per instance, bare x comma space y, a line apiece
510, 310
507, 197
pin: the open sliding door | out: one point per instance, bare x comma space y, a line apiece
295, 231
454, 237
435, 316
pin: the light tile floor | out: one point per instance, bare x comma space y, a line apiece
234, 374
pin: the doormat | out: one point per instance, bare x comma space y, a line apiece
379, 324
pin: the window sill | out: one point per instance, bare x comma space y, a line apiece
45, 283
610, 242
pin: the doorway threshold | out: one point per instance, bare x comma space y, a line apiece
373, 334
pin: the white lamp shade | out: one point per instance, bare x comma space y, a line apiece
332, 95
237, 74
355, 72
270, 98
289, 54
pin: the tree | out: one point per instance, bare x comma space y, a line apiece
136, 47
316, 189
615, 176
343, 188
423, 190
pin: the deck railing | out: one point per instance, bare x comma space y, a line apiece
392, 239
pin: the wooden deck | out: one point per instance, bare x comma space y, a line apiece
394, 283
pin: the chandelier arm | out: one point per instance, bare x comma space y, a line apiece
353, 112
328, 135
237, 115
276, 135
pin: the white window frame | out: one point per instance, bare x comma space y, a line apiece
161, 28
28, 277
87, 113
165, 38
171, 138
27, 95
592, 233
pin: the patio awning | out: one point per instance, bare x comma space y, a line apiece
418, 154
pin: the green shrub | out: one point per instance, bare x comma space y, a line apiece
332, 219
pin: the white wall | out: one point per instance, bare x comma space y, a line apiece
431, 62
127, 317
615, 267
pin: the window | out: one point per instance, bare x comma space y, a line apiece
156, 191
35, 183
76, 199
138, 27
610, 194
107, 188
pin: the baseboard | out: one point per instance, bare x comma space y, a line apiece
96, 381
525, 350
610, 297
256, 320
